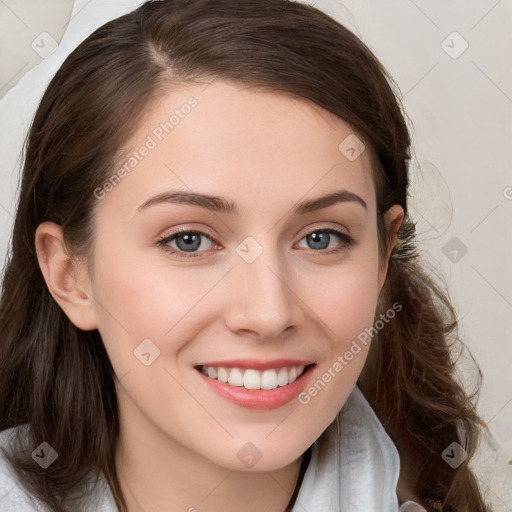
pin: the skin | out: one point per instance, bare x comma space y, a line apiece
265, 151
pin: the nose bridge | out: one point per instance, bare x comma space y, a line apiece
263, 300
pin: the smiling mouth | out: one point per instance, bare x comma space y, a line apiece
250, 378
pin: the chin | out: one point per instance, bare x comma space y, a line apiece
259, 456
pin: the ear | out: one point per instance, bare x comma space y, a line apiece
67, 279
393, 219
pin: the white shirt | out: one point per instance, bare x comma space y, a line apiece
354, 467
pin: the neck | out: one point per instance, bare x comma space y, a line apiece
158, 473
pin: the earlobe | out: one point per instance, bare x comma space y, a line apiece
66, 279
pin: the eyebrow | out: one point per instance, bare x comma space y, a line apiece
223, 205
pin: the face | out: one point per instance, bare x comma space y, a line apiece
264, 291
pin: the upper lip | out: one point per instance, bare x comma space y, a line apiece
257, 364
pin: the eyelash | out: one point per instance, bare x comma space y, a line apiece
347, 241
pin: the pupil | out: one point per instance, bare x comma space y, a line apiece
189, 241
319, 240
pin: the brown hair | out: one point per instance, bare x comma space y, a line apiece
52, 371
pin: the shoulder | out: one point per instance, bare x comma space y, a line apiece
13, 496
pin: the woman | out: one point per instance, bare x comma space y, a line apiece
213, 299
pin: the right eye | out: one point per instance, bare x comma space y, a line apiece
187, 241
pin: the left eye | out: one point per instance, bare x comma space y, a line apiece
320, 237
186, 241
190, 242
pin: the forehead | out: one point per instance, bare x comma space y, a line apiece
252, 145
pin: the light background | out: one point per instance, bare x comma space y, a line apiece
459, 104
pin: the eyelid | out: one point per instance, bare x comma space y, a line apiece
188, 229
323, 227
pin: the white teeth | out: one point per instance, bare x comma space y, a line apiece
222, 375
282, 377
254, 379
236, 377
269, 379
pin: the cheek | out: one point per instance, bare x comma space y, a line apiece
142, 299
345, 302
133, 303
348, 343
343, 297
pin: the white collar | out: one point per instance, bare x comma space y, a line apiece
354, 464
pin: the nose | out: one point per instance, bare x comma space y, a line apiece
262, 302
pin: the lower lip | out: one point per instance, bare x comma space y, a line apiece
259, 398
